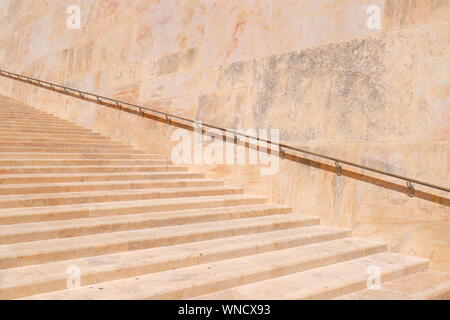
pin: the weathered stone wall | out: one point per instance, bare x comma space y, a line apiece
311, 68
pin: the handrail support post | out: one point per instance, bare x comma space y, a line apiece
410, 189
338, 169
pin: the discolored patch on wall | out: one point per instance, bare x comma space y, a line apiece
343, 84
211, 106
267, 74
234, 75
179, 61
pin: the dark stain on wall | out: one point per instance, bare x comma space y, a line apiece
267, 83
179, 61
233, 75
350, 77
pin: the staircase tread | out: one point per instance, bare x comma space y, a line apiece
72, 147
94, 166
85, 159
88, 183
100, 174
111, 192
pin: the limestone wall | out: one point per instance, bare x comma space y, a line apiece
311, 68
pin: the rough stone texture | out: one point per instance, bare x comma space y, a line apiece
309, 68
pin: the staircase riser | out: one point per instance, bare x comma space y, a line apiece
76, 156
82, 162
69, 145
69, 150
14, 140
135, 185
31, 170
18, 116
24, 135
87, 178
49, 125
47, 132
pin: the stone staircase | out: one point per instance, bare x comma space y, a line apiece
139, 227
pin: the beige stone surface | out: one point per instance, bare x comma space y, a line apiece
312, 69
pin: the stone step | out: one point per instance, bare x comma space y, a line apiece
80, 227
27, 116
13, 105
85, 161
46, 132
76, 211
90, 169
62, 144
25, 135
50, 199
36, 279
37, 188
77, 156
47, 123
40, 122
325, 282
37, 126
206, 278
117, 176
71, 149
50, 139
26, 112
43, 251
425, 285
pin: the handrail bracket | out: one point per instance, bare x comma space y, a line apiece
338, 169
410, 189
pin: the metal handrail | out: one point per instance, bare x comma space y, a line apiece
280, 146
